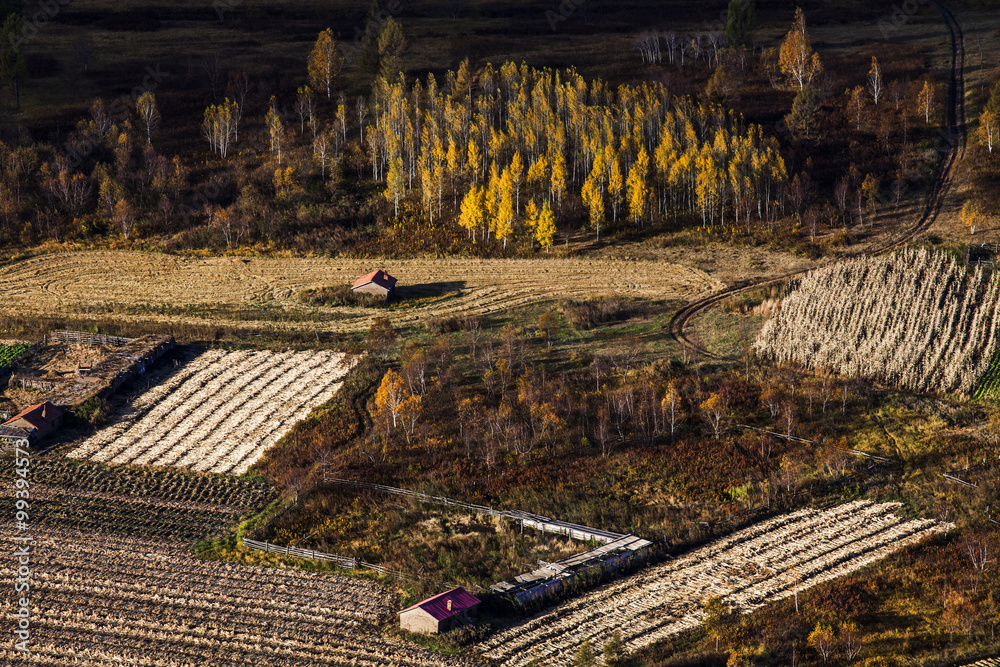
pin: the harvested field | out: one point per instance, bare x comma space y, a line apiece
219, 412
128, 501
913, 319
98, 600
167, 288
749, 568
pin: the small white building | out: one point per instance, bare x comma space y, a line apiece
439, 613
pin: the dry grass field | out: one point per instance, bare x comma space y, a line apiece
98, 599
768, 561
166, 288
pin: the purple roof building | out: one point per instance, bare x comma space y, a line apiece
439, 613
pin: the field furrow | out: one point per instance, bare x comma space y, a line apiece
752, 567
90, 605
220, 412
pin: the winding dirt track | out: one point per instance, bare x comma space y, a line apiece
952, 143
201, 290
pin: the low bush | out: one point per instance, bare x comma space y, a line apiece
341, 295
587, 314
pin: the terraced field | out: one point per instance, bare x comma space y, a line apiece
750, 568
100, 599
167, 288
220, 412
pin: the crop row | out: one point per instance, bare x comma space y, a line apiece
752, 567
87, 476
101, 599
989, 385
151, 503
914, 319
220, 412
10, 353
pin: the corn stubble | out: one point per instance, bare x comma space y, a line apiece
221, 412
769, 561
99, 599
915, 320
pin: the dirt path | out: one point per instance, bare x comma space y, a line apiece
954, 145
166, 288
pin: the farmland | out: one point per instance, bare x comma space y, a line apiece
10, 353
141, 503
769, 561
916, 320
219, 412
164, 288
100, 599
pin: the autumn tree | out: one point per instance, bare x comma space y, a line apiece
545, 227
869, 189
275, 129
638, 189
615, 187
988, 132
391, 44
593, 199
796, 57
824, 641
504, 221
124, 216
714, 409
390, 397
305, 105
395, 183
471, 214
149, 114
547, 327
970, 215
219, 126
875, 86
323, 150
325, 63
927, 101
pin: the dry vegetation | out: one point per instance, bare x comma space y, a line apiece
916, 320
167, 288
220, 412
98, 599
769, 561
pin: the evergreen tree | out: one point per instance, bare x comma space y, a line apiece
804, 117
741, 20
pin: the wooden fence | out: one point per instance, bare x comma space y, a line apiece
87, 338
345, 562
526, 519
423, 497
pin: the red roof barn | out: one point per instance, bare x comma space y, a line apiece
378, 282
34, 422
439, 613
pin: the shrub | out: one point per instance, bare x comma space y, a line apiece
340, 295
589, 313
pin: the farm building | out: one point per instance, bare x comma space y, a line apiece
378, 283
34, 423
439, 613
